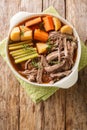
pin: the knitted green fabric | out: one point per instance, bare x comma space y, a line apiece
41, 93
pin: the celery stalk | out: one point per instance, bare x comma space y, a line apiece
26, 58
18, 47
22, 50
25, 54
20, 43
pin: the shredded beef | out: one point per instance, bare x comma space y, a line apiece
54, 64
52, 56
40, 71
55, 67
60, 74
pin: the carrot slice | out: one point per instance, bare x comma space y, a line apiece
40, 35
33, 21
48, 23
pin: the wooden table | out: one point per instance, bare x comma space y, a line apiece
66, 109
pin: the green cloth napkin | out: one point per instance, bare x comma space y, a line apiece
38, 94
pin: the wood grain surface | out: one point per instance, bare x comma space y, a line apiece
76, 97
66, 109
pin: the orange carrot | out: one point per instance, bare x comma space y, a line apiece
33, 21
48, 23
40, 35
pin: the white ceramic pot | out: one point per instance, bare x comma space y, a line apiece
66, 82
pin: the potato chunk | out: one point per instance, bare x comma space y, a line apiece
66, 29
26, 35
41, 47
57, 23
15, 34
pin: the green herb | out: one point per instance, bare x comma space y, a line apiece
35, 64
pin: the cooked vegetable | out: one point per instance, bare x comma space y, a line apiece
19, 46
26, 35
48, 23
19, 60
25, 54
57, 23
21, 55
33, 21
40, 35
66, 29
21, 43
22, 51
15, 34
41, 47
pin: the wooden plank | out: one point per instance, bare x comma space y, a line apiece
31, 6
54, 107
59, 6
47, 115
54, 112
30, 114
9, 87
76, 13
76, 97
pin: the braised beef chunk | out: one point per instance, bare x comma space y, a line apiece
40, 71
55, 67
60, 74
53, 55
27, 64
56, 63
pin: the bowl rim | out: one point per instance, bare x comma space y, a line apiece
75, 67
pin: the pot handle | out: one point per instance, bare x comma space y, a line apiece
68, 81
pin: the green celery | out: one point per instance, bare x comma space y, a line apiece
26, 58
